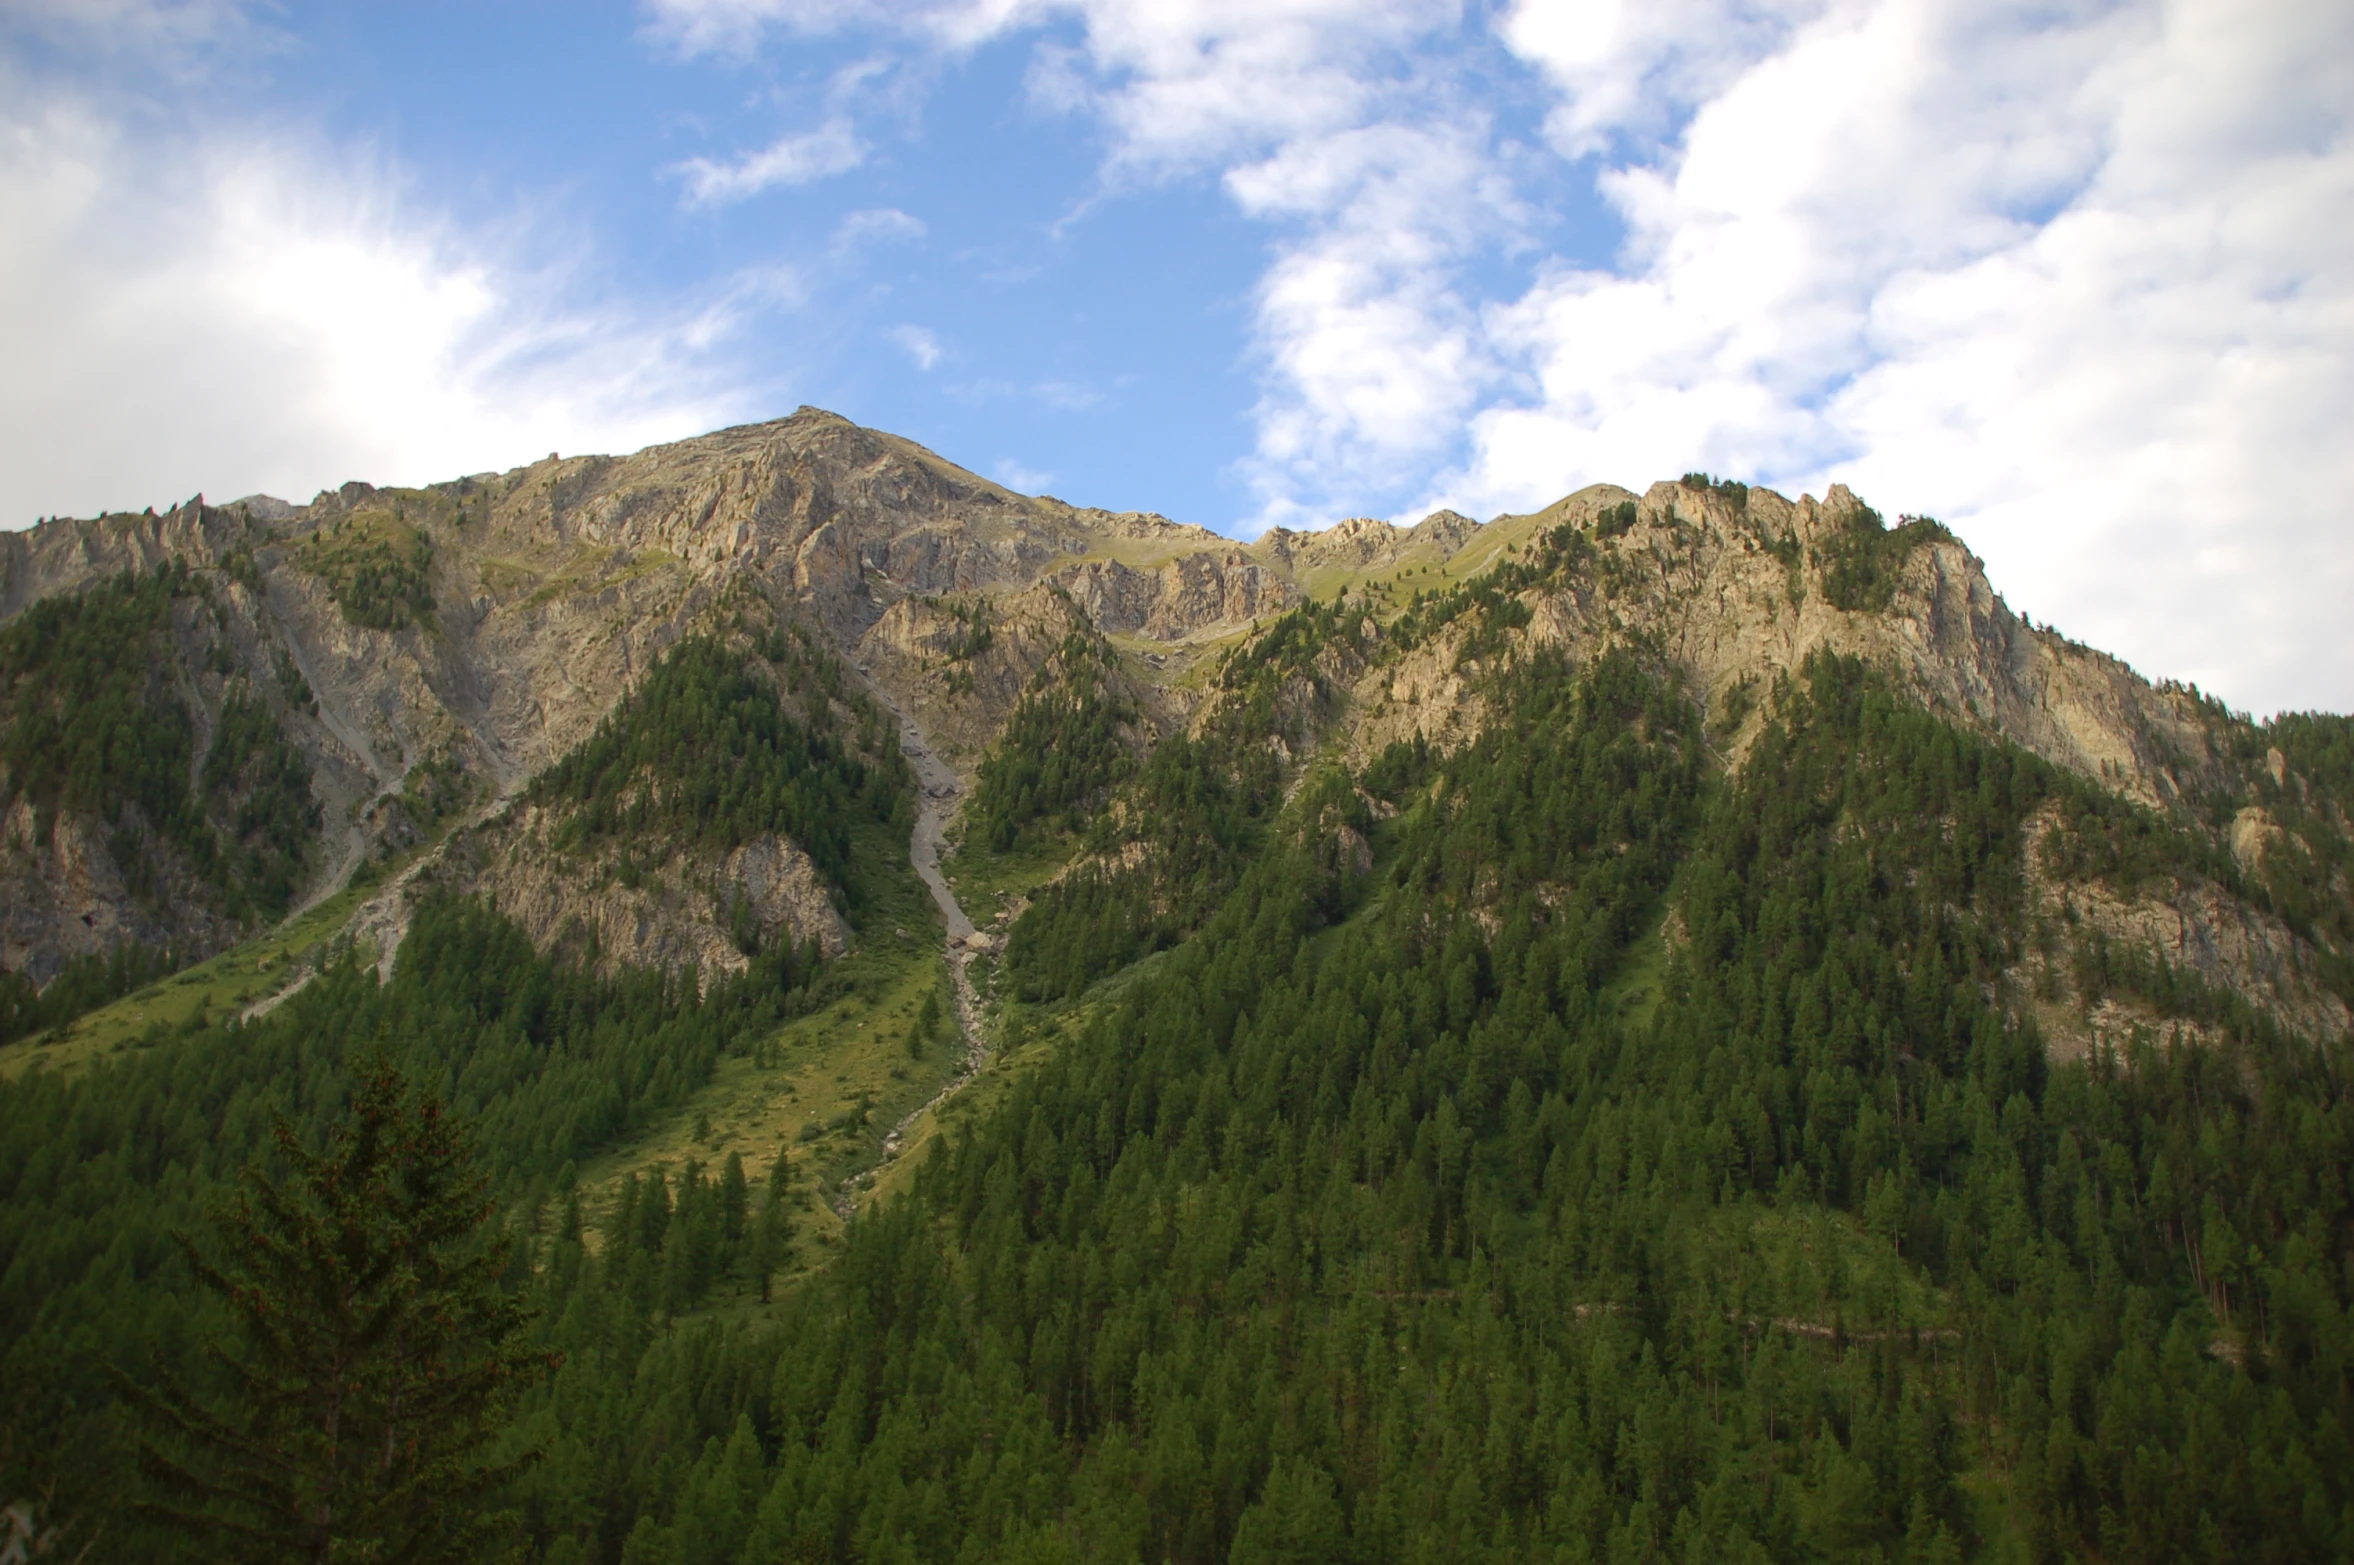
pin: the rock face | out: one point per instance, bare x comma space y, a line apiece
62, 896
1362, 544
1732, 590
2199, 930
687, 909
957, 666
1211, 593
554, 586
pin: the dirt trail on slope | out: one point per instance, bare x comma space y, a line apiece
938, 793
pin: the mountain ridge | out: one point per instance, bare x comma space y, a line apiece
1673, 1024
554, 585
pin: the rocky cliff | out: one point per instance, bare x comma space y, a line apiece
428, 651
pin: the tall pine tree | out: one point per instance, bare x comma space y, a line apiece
374, 1356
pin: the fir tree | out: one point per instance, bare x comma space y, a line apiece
375, 1354
772, 1233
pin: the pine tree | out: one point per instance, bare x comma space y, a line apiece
374, 1359
772, 1232
735, 1202
925, 1027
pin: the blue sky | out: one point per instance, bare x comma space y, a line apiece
2073, 277
970, 282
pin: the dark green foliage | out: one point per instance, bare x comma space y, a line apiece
1490, 600
260, 786
2319, 746
704, 752
437, 788
548, 1062
925, 1030
1061, 753
83, 985
1731, 489
1493, 598
375, 568
772, 1230
1196, 805
1861, 562
374, 1353
1193, 810
92, 724
2105, 836
1544, 1151
1614, 521
1410, 1236
2303, 872
2065, 1204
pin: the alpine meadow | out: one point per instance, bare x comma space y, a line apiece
774, 999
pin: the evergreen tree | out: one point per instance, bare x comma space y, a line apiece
772, 1233
375, 1353
735, 1201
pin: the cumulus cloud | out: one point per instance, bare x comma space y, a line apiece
2078, 285
1376, 357
832, 148
2075, 278
240, 314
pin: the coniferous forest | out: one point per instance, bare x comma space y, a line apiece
1561, 1145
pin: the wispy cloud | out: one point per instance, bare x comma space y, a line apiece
919, 343
1028, 480
877, 225
174, 39
2076, 282
307, 325
832, 148
2075, 279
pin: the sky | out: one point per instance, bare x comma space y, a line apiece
2075, 277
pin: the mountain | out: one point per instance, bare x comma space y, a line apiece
1673, 1022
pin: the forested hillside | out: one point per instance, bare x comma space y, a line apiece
1448, 1209
97, 730
1671, 1027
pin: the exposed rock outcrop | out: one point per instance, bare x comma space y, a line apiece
1208, 593
2194, 926
685, 908
554, 586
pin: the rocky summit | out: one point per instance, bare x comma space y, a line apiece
1675, 1022
535, 598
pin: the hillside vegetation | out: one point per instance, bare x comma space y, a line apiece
95, 728
1668, 1028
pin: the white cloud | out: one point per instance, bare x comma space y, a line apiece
695, 27
1185, 83
236, 314
2080, 279
1376, 357
832, 148
2075, 278
878, 225
2080, 286
921, 345
1025, 480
